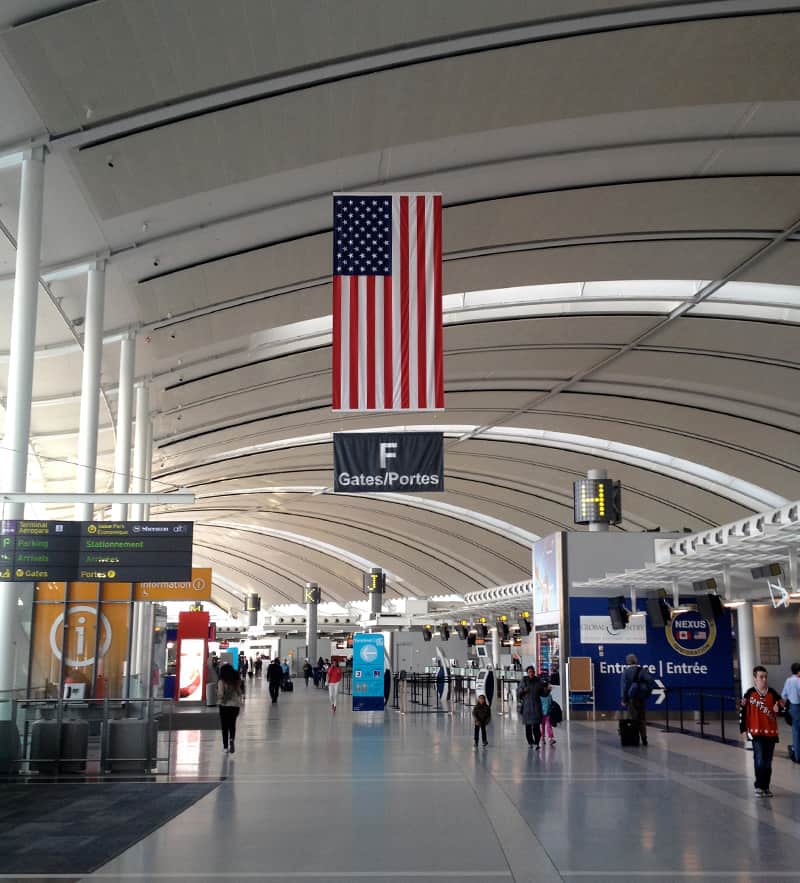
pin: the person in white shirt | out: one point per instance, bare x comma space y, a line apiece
791, 693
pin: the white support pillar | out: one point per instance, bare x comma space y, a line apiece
122, 453
90, 387
746, 642
496, 647
148, 478
13, 476
140, 449
145, 624
139, 483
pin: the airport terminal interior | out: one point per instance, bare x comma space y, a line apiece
361, 359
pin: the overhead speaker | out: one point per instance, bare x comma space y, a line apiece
766, 571
616, 610
659, 612
710, 606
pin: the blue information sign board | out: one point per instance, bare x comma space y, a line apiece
367, 672
690, 652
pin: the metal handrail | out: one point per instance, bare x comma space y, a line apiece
23, 756
709, 697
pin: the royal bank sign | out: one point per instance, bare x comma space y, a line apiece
387, 462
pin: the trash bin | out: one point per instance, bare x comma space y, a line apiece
131, 746
51, 740
9, 747
211, 694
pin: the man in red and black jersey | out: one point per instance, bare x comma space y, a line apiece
759, 718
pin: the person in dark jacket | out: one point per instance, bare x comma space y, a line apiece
308, 670
636, 685
530, 692
481, 715
274, 678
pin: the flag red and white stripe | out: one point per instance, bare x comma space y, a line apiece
387, 325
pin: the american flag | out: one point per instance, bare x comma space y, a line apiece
387, 302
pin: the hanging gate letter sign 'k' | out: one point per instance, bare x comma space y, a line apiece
387, 462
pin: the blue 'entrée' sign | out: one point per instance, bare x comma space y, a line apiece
691, 652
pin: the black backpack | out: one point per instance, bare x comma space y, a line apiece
641, 687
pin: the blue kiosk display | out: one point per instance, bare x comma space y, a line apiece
368, 662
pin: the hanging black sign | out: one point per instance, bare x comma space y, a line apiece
387, 462
96, 551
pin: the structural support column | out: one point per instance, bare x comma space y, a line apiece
311, 596
746, 641
122, 453
20, 385
142, 434
496, 647
140, 449
90, 387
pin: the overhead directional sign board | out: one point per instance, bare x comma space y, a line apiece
388, 462
96, 551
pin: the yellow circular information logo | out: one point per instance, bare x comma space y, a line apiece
91, 529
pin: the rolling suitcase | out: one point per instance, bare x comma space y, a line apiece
288, 687
628, 732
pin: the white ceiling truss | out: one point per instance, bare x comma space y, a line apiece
621, 253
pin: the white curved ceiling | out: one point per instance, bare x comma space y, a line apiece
621, 242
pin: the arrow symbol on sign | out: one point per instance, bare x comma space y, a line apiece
660, 691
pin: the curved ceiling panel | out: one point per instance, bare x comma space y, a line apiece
607, 168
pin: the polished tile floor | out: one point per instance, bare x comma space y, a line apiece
313, 796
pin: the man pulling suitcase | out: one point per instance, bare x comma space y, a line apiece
636, 685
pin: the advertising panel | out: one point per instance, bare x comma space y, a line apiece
547, 575
368, 661
74, 640
387, 462
192, 665
690, 652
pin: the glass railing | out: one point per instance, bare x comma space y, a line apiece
84, 737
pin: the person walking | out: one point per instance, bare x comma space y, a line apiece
308, 671
547, 726
791, 694
758, 718
320, 672
274, 679
481, 715
636, 685
530, 692
334, 679
229, 699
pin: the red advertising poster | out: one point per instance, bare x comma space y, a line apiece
192, 649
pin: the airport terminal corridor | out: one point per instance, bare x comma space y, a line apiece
384, 797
